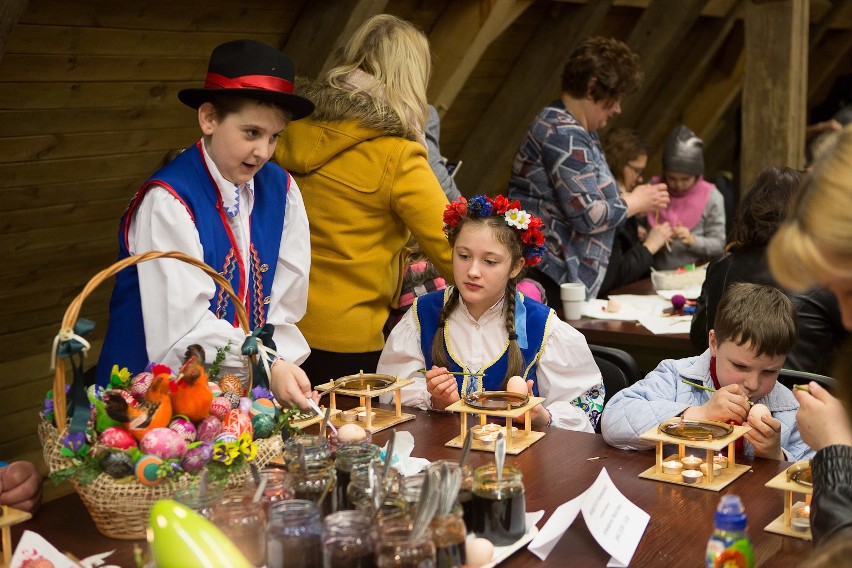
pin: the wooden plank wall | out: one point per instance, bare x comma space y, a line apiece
88, 108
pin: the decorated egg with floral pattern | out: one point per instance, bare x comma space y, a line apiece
116, 464
220, 407
163, 442
139, 383
263, 425
226, 438
184, 427
196, 456
116, 437
237, 422
208, 429
231, 383
232, 397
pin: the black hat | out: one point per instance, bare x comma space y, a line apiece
250, 69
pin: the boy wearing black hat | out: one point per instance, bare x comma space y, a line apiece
221, 202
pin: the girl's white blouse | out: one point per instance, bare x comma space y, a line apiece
566, 369
176, 296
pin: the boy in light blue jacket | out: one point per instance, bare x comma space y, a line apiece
754, 329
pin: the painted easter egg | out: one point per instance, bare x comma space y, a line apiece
237, 422
262, 406
181, 537
263, 425
231, 383
245, 405
197, 456
147, 468
215, 389
116, 464
128, 398
220, 407
163, 442
232, 397
116, 437
139, 383
226, 438
184, 427
208, 429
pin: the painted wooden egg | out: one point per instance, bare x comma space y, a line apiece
220, 407
139, 383
262, 406
208, 429
263, 425
226, 438
232, 397
231, 383
163, 442
237, 422
147, 468
245, 405
215, 389
116, 437
184, 427
197, 456
116, 464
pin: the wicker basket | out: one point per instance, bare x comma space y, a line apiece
120, 508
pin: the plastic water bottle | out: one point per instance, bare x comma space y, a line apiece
729, 545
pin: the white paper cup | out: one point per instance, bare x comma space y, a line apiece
572, 310
572, 292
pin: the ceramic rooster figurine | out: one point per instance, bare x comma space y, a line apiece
153, 411
191, 395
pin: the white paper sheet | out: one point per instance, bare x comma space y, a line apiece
633, 307
659, 325
33, 548
613, 520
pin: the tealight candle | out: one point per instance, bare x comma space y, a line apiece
672, 467
717, 469
691, 476
720, 459
801, 521
691, 462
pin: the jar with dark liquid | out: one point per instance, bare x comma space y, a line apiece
312, 446
348, 540
360, 495
499, 507
317, 483
295, 535
448, 534
465, 497
396, 547
350, 456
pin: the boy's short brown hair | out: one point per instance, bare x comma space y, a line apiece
761, 316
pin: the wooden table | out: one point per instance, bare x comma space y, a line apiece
555, 470
648, 349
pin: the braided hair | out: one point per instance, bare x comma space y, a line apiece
510, 238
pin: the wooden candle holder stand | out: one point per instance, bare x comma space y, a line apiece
516, 443
383, 418
315, 419
710, 447
9, 518
783, 525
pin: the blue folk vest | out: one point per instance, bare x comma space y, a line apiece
532, 324
189, 181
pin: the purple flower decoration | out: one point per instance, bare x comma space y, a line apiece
260, 392
48, 406
74, 444
479, 206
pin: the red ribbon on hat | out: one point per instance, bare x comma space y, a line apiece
216, 81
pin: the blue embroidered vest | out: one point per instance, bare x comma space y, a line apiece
532, 323
189, 181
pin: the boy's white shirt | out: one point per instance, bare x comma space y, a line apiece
566, 369
176, 296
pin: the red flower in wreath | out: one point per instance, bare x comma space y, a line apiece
455, 211
532, 237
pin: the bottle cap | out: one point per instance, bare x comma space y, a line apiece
730, 514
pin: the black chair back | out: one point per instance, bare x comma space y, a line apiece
790, 377
618, 370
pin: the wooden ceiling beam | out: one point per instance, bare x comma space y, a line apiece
825, 59
656, 38
661, 107
531, 83
322, 29
10, 12
775, 87
460, 37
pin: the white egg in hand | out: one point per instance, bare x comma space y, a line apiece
478, 552
351, 433
758, 411
517, 384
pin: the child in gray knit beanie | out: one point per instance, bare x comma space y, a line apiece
684, 152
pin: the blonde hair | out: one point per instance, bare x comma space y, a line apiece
814, 244
396, 54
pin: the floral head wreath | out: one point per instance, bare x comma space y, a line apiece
528, 226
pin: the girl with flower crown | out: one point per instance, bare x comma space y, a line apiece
484, 325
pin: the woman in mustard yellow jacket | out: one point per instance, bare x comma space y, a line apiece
360, 161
